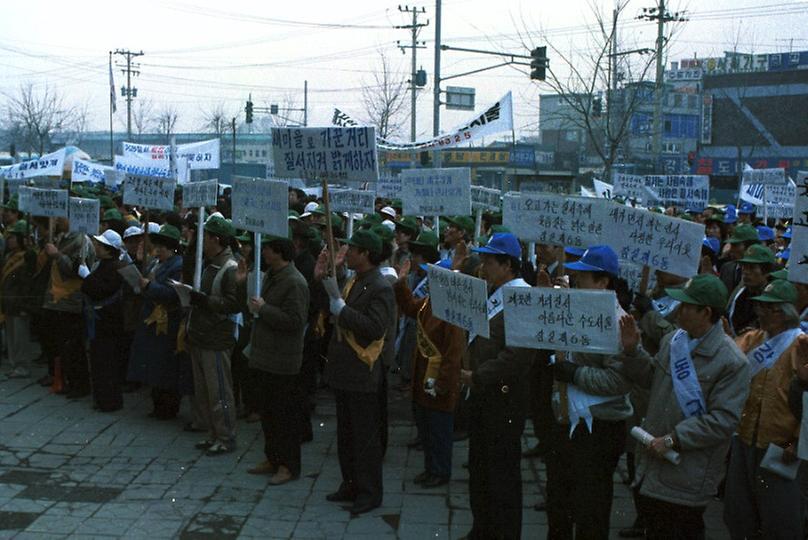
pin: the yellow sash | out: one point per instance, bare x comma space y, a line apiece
159, 317
368, 354
181, 335
62, 288
427, 349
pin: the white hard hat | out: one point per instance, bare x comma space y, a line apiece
388, 211
389, 224
132, 231
110, 238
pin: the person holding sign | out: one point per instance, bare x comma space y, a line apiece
153, 358
211, 333
275, 355
699, 381
499, 384
364, 314
758, 501
590, 405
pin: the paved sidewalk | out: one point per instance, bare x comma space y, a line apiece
69, 471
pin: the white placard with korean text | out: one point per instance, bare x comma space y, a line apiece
770, 177
331, 153
261, 205
389, 187
48, 165
87, 171
137, 165
197, 194
486, 199
459, 299
637, 235
690, 191
354, 201
84, 215
561, 319
433, 192
798, 262
631, 186
149, 192
201, 155
43, 202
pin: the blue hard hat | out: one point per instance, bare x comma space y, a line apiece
746, 208
712, 243
501, 244
575, 251
443, 263
597, 259
765, 234
787, 234
785, 254
731, 215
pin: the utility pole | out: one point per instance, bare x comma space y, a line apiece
661, 16
305, 103
129, 92
414, 28
233, 127
436, 158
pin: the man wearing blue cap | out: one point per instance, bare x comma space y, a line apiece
499, 389
746, 213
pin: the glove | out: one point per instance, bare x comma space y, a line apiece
331, 287
198, 299
83, 271
336, 305
642, 304
565, 371
430, 387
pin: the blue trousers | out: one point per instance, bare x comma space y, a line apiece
435, 430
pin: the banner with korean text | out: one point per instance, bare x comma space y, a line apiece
202, 155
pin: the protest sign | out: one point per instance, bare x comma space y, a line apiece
48, 165
432, 192
637, 235
149, 192
603, 190
353, 201
459, 299
200, 155
798, 263
770, 177
682, 190
561, 319
143, 167
631, 186
495, 119
777, 200
84, 215
43, 202
87, 171
197, 194
632, 273
328, 153
486, 199
389, 187
261, 205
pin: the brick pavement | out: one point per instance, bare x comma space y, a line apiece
67, 471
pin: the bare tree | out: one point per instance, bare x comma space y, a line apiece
385, 99
36, 115
216, 119
142, 115
166, 121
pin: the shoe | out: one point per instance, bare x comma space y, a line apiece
191, 428
281, 477
218, 448
435, 481
203, 445
421, 478
18, 373
363, 508
265, 467
343, 494
631, 532
45, 380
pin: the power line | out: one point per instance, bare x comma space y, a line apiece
129, 92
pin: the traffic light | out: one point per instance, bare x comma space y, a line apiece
273, 108
420, 78
538, 64
597, 106
248, 110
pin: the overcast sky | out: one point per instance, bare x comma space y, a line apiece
204, 52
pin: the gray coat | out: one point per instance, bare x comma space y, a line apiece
276, 344
370, 313
602, 375
704, 440
210, 326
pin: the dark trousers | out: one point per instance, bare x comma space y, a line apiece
383, 414
166, 403
281, 418
541, 391
580, 482
435, 430
668, 521
359, 444
63, 338
105, 363
495, 477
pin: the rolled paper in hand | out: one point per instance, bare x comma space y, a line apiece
645, 438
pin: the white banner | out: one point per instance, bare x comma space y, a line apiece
87, 171
261, 205
43, 202
48, 165
202, 155
433, 192
487, 199
147, 167
495, 119
639, 236
331, 153
603, 190
353, 201
779, 200
798, 263
771, 177
149, 191
561, 319
84, 215
459, 299
197, 194
682, 190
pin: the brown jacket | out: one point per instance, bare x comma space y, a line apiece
766, 416
450, 341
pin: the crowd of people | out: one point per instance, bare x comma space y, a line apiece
713, 367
